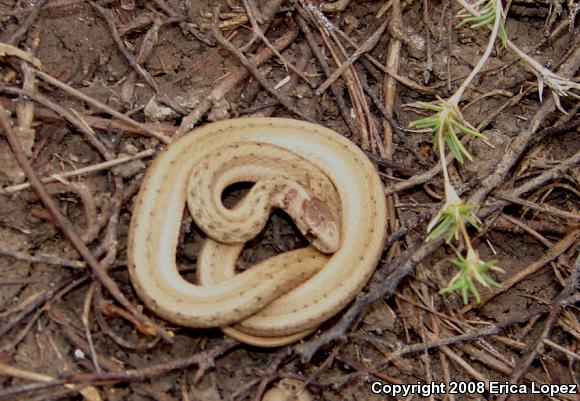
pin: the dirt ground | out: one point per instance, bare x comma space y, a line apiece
63, 335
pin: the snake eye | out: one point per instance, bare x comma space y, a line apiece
322, 225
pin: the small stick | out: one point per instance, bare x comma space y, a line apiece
12, 371
547, 209
48, 260
16, 37
565, 351
524, 227
253, 21
81, 171
185, 27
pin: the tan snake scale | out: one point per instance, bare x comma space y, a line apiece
285, 297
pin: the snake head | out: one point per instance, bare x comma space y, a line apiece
323, 226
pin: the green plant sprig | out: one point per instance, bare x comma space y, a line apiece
471, 269
487, 11
448, 121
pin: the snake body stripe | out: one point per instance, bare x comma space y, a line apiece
159, 209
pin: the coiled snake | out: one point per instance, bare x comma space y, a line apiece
322, 180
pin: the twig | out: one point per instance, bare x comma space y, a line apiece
402, 80
382, 284
44, 259
101, 305
21, 31
393, 124
565, 351
185, 27
258, 31
85, 319
453, 356
81, 171
547, 209
366, 128
272, 371
526, 228
12, 371
91, 230
147, 45
9, 50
